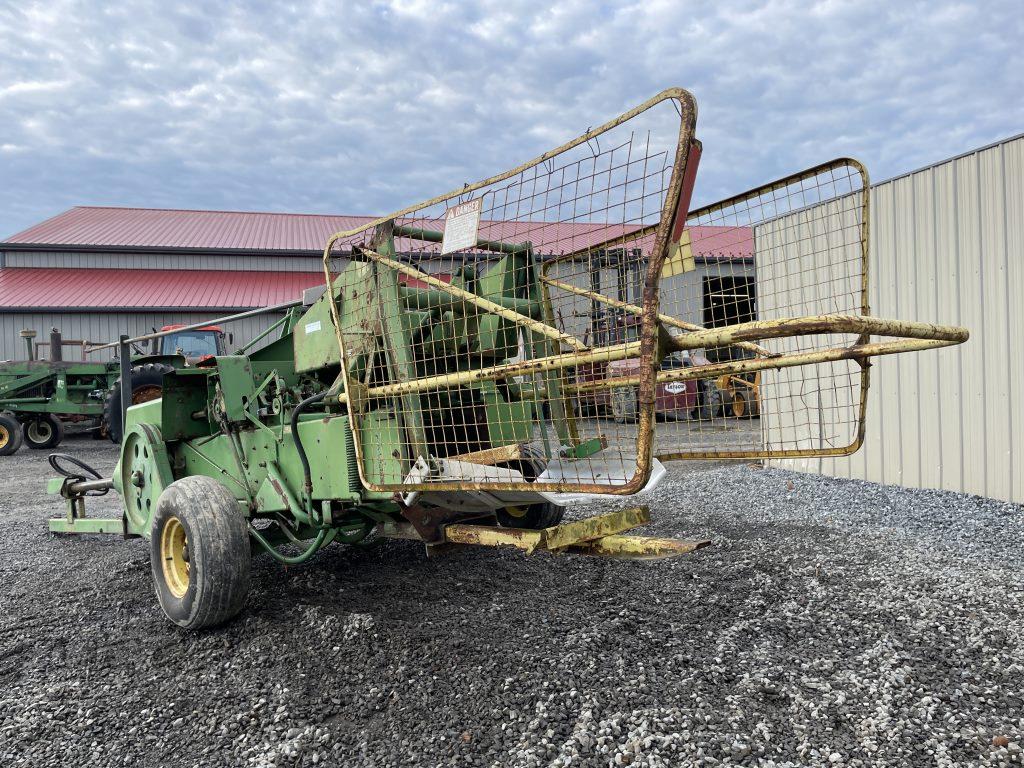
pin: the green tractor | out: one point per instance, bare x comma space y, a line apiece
39, 397
433, 390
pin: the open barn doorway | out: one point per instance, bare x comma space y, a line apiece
728, 300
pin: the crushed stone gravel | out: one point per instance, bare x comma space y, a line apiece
832, 623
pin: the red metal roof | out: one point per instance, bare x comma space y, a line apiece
88, 226
40, 288
148, 228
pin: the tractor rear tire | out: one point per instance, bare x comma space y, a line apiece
10, 434
625, 405
42, 432
709, 401
147, 384
543, 514
199, 553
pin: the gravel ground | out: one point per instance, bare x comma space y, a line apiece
832, 623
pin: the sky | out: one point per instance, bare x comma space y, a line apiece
363, 108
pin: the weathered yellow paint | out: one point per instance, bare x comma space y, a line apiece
580, 531
637, 547
597, 536
494, 536
491, 456
680, 257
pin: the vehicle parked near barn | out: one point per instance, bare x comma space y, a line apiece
39, 397
696, 399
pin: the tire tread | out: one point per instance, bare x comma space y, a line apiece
219, 546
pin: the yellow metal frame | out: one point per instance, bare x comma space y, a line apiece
686, 108
906, 336
598, 536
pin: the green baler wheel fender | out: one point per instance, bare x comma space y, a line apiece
145, 471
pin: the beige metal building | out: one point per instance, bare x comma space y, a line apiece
947, 246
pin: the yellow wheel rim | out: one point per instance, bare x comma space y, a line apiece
515, 511
5, 437
174, 557
739, 405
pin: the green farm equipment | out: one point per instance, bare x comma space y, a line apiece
38, 397
437, 388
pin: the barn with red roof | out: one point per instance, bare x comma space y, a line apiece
97, 272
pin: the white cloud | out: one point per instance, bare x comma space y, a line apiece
360, 108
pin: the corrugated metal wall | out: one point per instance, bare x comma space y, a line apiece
107, 326
162, 261
947, 246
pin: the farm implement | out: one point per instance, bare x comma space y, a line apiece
448, 383
38, 397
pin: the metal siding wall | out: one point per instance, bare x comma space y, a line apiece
1013, 190
253, 262
104, 327
947, 246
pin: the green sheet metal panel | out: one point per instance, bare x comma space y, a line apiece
316, 344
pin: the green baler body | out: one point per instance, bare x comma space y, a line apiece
230, 418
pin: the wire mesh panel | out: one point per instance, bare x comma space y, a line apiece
796, 248
466, 345
562, 325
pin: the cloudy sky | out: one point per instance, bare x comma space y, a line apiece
361, 108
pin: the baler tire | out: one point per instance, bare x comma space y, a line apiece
199, 553
10, 435
43, 432
144, 377
535, 516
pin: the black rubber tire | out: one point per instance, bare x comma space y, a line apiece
625, 406
146, 375
710, 401
10, 434
536, 516
219, 554
42, 432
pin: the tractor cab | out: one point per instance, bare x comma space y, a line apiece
194, 345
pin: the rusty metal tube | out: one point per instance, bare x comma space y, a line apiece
835, 354
56, 346
756, 330
469, 297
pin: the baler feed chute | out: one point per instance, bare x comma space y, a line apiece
571, 310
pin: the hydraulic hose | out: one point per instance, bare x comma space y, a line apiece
85, 475
323, 538
307, 474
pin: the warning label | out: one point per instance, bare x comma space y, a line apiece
461, 225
